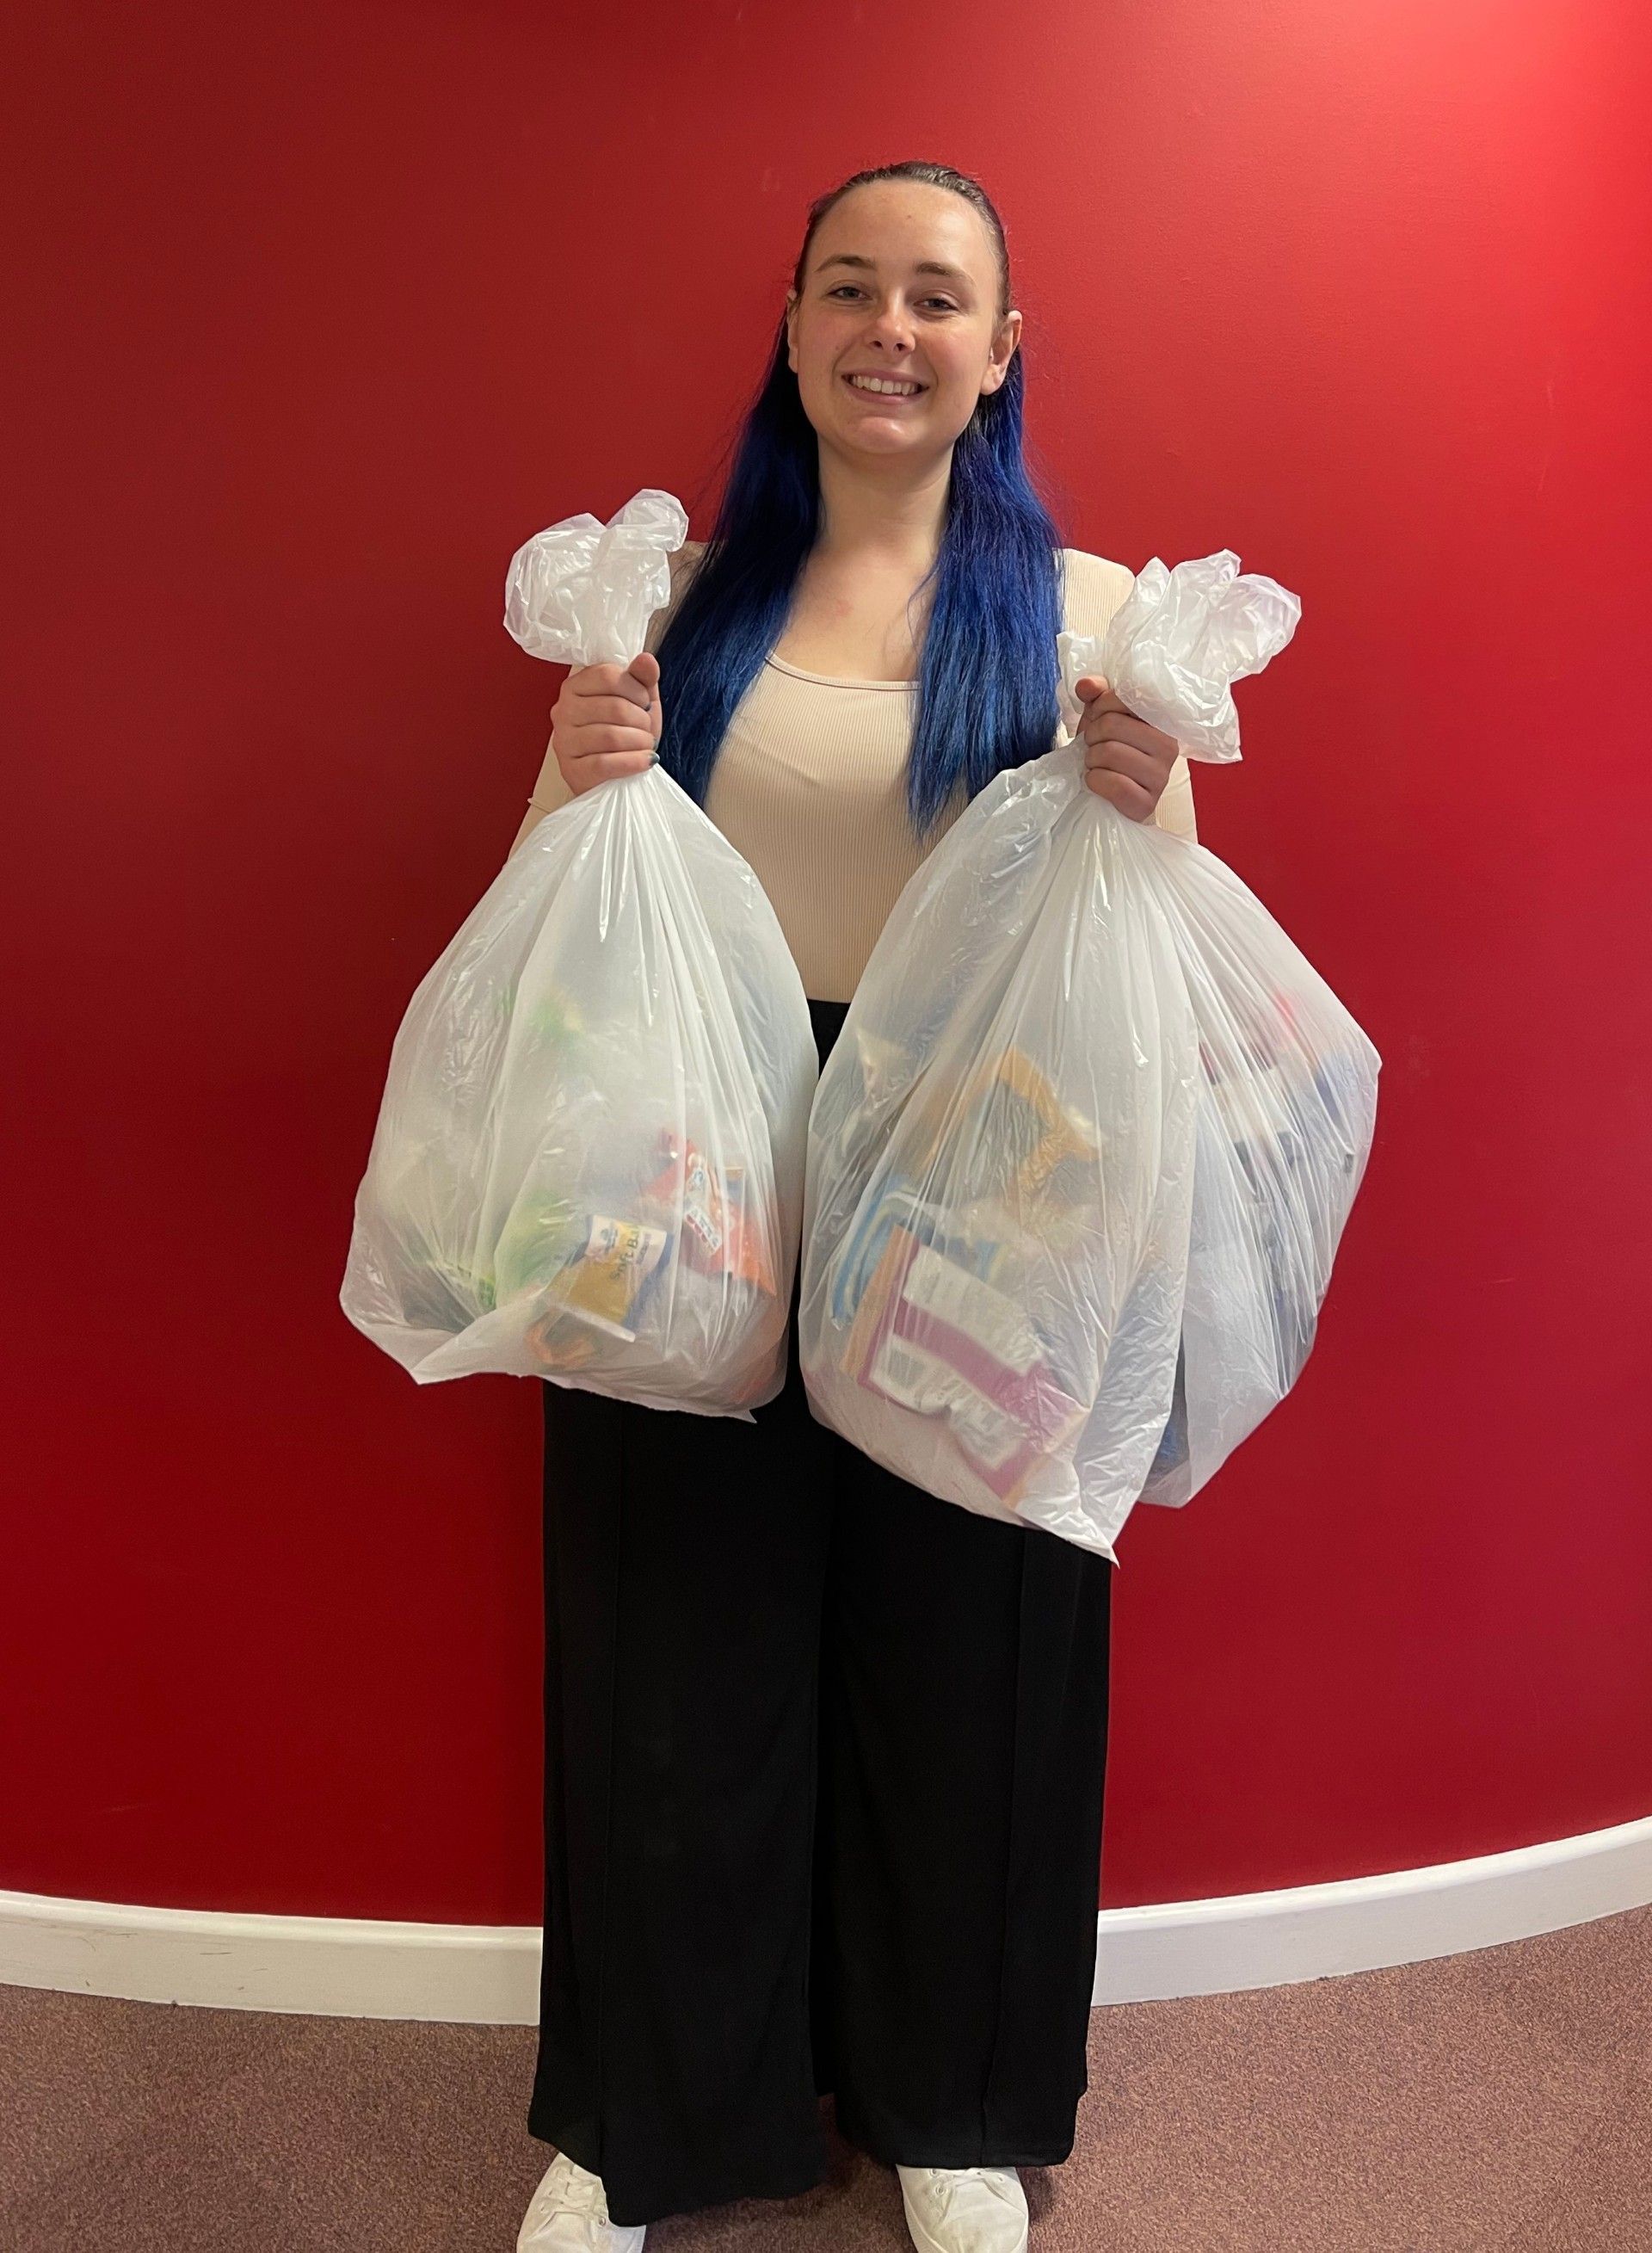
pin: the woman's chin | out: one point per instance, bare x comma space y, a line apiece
879, 439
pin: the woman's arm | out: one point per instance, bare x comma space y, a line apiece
1096, 587
551, 790
1175, 809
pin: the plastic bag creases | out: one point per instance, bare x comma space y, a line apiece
1177, 642
587, 1163
1080, 1159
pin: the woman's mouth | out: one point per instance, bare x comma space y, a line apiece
897, 396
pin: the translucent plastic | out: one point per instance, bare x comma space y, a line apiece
1081, 1157
587, 1165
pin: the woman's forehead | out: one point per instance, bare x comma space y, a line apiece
918, 201
928, 232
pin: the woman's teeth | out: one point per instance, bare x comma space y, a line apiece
884, 390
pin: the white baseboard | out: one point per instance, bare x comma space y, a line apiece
1220, 1946
488, 1975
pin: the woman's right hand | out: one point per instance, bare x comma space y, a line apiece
607, 721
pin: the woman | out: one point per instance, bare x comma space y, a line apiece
824, 1754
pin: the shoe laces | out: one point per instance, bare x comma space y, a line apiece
579, 2191
948, 2180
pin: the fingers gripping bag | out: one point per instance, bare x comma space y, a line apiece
588, 1160
1081, 1157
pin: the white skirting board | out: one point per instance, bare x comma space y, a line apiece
1227, 1945
488, 1975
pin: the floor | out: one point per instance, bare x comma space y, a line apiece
1495, 2103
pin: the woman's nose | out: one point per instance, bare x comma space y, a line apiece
893, 329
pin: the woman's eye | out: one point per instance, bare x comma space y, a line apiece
945, 302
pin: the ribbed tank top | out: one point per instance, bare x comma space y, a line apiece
809, 788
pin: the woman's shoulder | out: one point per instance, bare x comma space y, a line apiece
1093, 586
683, 561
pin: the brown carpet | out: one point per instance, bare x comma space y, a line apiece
1495, 2103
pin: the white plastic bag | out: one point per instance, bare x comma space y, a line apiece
1081, 1156
587, 1165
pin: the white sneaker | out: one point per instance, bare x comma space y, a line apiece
964, 2209
568, 2214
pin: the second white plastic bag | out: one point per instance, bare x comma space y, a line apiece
1081, 1156
588, 1164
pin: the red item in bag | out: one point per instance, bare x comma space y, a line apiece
717, 1233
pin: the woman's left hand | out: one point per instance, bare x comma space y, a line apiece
1126, 761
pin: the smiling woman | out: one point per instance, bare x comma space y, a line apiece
870, 541
794, 1843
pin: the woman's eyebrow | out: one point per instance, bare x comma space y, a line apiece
923, 265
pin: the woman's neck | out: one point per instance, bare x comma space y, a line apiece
890, 523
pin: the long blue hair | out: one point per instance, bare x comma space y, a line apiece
987, 684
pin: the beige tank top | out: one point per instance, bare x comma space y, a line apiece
809, 788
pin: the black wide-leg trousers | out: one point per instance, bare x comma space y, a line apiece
824, 1769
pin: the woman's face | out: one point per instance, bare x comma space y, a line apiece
868, 306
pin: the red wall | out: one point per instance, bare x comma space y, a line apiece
325, 311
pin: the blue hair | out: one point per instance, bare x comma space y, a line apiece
985, 697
